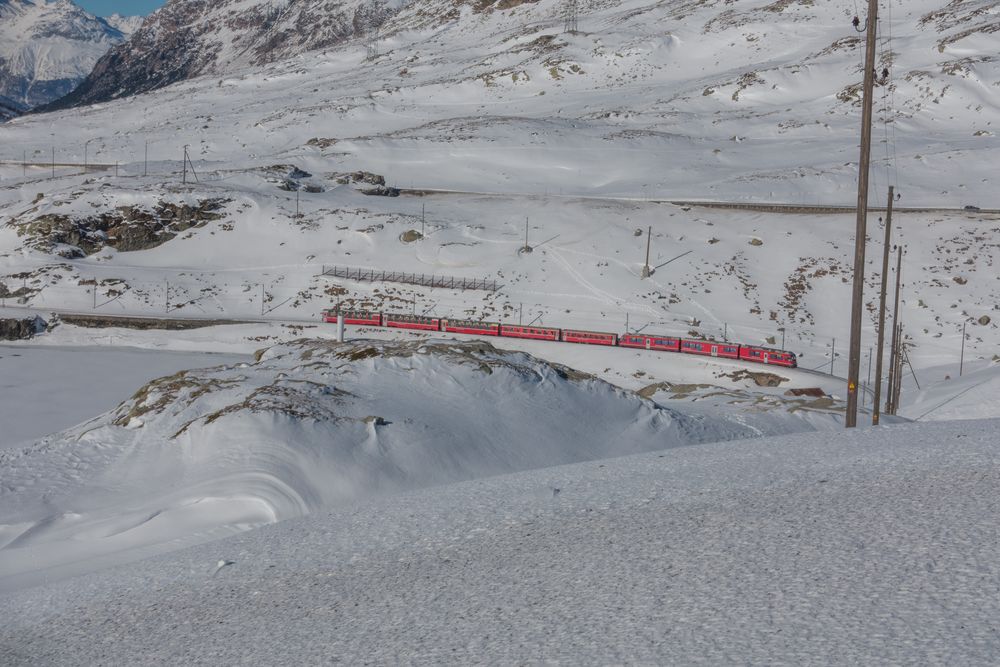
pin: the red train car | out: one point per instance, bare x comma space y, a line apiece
642, 341
400, 321
765, 355
535, 333
355, 317
711, 348
471, 327
589, 337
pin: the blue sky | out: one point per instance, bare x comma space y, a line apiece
126, 7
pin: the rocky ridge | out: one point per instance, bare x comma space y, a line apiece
188, 38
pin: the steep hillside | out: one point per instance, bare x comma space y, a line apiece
187, 38
48, 46
9, 109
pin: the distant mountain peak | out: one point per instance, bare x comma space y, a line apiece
127, 25
187, 38
48, 46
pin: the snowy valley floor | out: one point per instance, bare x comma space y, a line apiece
872, 546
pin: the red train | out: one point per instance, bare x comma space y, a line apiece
724, 350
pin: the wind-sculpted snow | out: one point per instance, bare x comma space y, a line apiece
201, 454
870, 547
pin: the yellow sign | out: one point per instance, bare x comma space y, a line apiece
851, 387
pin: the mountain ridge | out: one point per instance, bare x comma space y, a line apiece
47, 47
188, 38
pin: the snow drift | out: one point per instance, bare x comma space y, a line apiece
202, 454
874, 546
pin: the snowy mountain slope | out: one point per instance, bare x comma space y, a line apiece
9, 109
187, 38
746, 276
48, 46
202, 454
872, 547
585, 132
126, 25
944, 395
734, 103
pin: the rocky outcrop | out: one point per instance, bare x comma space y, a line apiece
8, 109
381, 191
188, 38
23, 329
126, 228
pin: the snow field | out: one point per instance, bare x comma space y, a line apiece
809, 548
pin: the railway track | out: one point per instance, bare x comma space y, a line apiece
166, 323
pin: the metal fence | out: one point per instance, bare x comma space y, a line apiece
445, 282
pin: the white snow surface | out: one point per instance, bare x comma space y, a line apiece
876, 546
873, 546
49, 389
313, 424
945, 395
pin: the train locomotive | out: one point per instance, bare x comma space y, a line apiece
723, 350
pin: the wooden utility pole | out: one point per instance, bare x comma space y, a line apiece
881, 309
646, 271
145, 160
893, 377
861, 232
527, 248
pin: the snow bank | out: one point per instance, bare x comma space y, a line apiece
876, 546
203, 454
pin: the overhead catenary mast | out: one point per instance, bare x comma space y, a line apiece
876, 407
